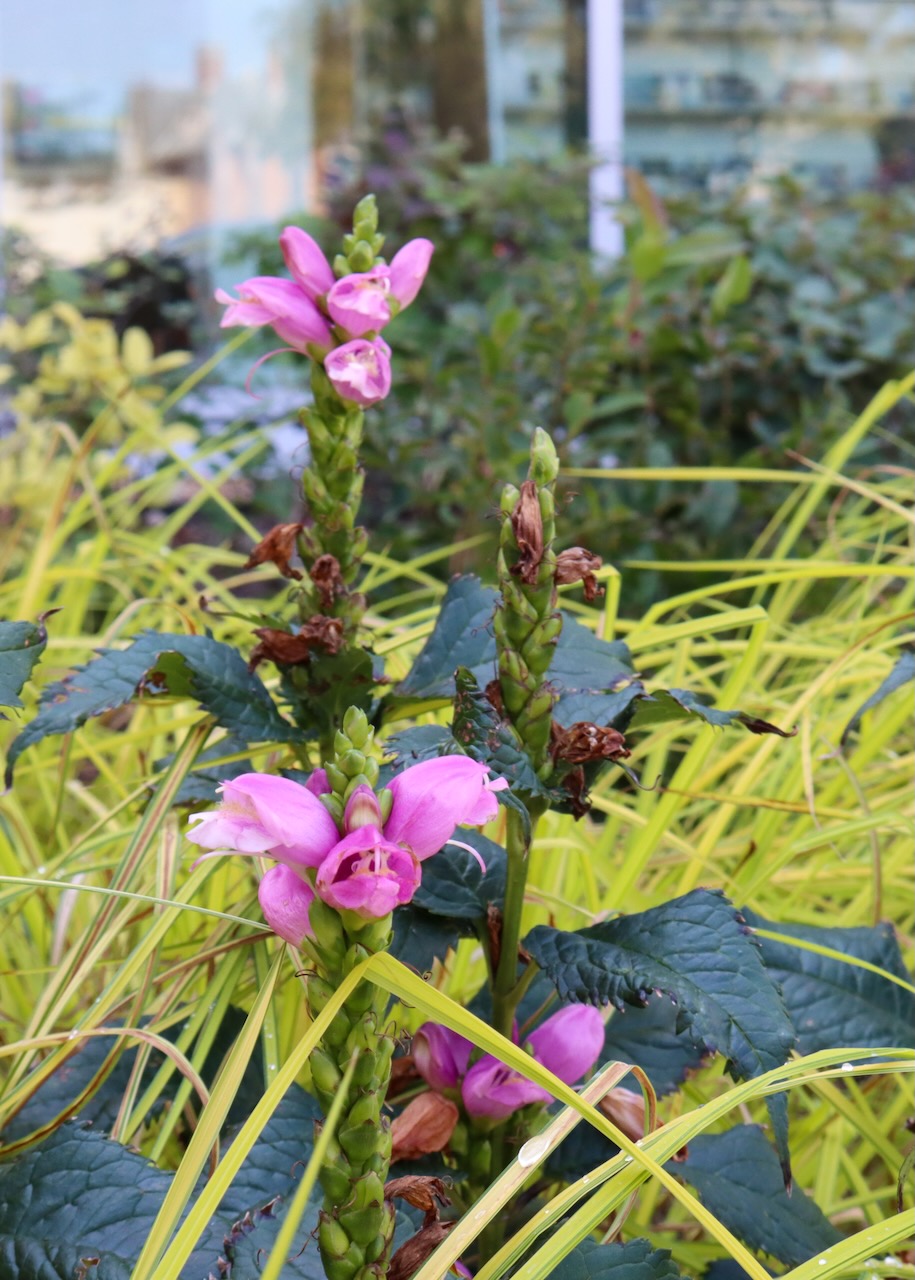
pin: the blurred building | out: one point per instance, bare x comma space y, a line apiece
125, 124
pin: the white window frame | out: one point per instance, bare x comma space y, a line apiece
605, 123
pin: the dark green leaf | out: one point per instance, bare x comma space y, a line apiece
634, 1260
681, 704
200, 785
455, 885
421, 742
27, 1258
421, 938
835, 1005
214, 673
902, 672
78, 1186
594, 678
696, 950
462, 637
647, 1036
738, 1179
21, 646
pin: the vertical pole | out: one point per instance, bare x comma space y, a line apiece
605, 123
495, 116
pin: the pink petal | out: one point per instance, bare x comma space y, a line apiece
359, 302
318, 784
360, 371
282, 304
285, 900
434, 797
494, 1090
440, 1056
570, 1042
306, 262
366, 874
408, 270
300, 828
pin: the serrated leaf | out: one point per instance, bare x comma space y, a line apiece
216, 676
635, 1260
455, 885
647, 1036
200, 785
421, 742
680, 704
696, 950
31, 1259
21, 647
738, 1179
903, 671
834, 1005
78, 1186
594, 679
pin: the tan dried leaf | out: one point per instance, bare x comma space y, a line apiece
422, 1192
424, 1126
583, 742
290, 650
277, 546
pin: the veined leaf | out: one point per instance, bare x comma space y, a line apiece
190, 666
21, 647
738, 1179
680, 704
833, 1004
634, 1260
902, 672
696, 950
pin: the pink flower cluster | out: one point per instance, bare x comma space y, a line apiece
370, 867
568, 1043
335, 321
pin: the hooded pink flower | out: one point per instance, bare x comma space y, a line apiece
283, 305
568, 1044
307, 264
359, 302
360, 370
286, 899
374, 865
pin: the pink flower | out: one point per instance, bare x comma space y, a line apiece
440, 1056
568, 1044
360, 370
307, 264
359, 302
286, 899
408, 270
283, 305
375, 865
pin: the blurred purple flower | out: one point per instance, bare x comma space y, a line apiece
360, 370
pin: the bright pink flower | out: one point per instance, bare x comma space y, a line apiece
440, 1056
368, 874
360, 370
263, 814
286, 899
428, 795
568, 1044
283, 305
408, 270
359, 302
307, 264
375, 866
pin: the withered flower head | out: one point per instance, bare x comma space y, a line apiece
327, 579
578, 565
584, 742
425, 1125
277, 546
527, 525
289, 650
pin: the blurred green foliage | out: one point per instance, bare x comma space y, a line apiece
734, 328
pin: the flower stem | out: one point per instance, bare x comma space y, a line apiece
505, 994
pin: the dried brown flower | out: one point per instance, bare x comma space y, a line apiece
425, 1125
527, 525
583, 742
576, 564
277, 546
290, 650
327, 579
410, 1256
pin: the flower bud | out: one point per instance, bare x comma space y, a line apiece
356, 727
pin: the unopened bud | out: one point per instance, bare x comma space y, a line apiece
351, 763
336, 777
361, 257
362, 809
385, 803
356, 727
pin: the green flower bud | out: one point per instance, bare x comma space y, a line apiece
359, 1143
361, 257
335, 1183
335, 777
365, 1110
334, 1240
361, 1225
351, 763
385, 803
365, 216
342, 743
324, 1071
357, 728
333, 806
377, 1247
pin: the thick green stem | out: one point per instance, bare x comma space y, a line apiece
517, 847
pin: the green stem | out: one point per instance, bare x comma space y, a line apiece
505, 995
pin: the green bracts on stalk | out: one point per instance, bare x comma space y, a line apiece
356, 1225
526, 623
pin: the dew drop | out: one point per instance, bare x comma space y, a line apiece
822, 1262
533, 1150
40, 871
846, 1066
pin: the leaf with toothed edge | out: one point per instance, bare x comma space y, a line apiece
213, 673
21, 647
633, 1260
697, 950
